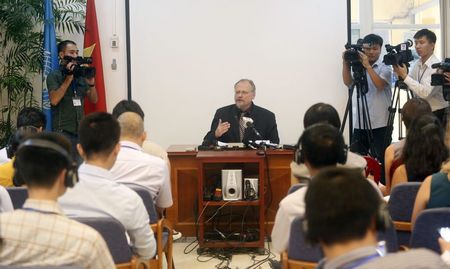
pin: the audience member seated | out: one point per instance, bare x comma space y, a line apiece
424, 150
7, 169
137, 167
434, 192
148, 146
343, 214
325, 113
29, 116
5, 201
97, 195
320, 145
412, 109
39, 234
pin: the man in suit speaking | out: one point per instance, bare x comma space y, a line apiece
242, 121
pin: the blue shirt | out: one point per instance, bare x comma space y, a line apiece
378, 101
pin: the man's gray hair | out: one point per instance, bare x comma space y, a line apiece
252, 84
131, 124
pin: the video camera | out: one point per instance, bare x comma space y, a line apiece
351, 54
438, 79
398, 55
81, 67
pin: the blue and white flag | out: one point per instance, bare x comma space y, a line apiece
50, 59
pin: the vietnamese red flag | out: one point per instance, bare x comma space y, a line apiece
92, 49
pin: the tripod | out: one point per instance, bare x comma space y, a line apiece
395, 106
360, 83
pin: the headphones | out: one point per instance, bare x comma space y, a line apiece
71, 177
383, 220
299, 155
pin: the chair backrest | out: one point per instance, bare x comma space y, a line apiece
401, 201
295, 187
425, 232
298, 248
18, 196
148, 201
114, 234
390, 237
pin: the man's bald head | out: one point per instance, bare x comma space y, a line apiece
131, 127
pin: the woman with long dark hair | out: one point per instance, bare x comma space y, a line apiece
424, 150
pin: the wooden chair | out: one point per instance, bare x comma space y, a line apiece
400, 206
40, 267
161, 227
114, 234
18, 196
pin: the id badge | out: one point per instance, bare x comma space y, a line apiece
76, 101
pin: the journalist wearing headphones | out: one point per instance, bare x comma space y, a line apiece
39, 234
321, 145
347, 231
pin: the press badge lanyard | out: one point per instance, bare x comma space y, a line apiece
359, 262
123, 146
75, 98
38, 211
420, 76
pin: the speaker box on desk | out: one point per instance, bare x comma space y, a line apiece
232, 185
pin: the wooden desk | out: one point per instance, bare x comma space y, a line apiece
184, 174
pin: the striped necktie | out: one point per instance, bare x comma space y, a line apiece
241, 127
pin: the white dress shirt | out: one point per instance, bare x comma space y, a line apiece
4, 156
97, 195
5, 201
137, 167
290, 207
419, 80
40, 235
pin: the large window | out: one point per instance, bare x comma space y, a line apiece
395, 22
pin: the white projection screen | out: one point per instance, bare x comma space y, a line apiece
187, 55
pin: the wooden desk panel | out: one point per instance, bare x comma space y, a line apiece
184, 173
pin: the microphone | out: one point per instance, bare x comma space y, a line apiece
249, 124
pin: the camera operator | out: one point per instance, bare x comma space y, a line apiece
378, 97
419, 78
67, 93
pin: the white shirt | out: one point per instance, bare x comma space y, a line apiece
419, 80
290, 207
378, 101
5, 201
4, 156
40, 235
137, 167
96, 195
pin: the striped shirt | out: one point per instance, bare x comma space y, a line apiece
40, 235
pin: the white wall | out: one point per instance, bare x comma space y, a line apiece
186, 56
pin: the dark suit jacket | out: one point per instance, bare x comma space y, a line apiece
263, 120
